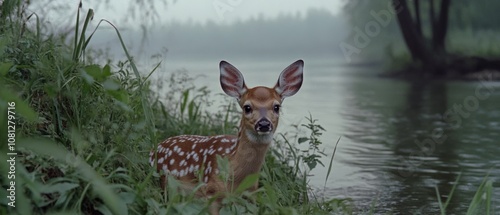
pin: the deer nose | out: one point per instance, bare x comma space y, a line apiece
263, 125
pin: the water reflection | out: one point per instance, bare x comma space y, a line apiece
397, 134
423, 144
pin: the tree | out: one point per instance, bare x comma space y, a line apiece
432, 53
425, 25
423, 50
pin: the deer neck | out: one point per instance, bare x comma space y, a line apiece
250, 153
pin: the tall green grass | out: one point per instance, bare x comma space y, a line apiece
84, 132
480, 203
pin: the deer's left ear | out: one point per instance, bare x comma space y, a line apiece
290, 80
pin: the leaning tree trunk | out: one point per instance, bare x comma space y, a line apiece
413, 40
441, 27
432, 17
417, 16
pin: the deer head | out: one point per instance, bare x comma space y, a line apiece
260, 105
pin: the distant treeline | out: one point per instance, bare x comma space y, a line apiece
318, 33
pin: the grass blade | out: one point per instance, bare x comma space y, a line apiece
484, 190
331, 163
77, 26
441, 207
80, 48
452, 190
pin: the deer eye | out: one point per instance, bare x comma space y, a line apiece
277, 108
247, 109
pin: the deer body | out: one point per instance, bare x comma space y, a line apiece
193, 158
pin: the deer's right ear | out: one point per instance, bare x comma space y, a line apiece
231, 80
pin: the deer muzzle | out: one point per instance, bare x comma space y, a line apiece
263, 126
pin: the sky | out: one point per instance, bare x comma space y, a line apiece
218, 11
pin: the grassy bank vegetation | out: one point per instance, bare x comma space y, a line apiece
84, 131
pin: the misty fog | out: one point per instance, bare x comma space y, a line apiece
317, 34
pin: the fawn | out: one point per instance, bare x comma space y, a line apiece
185, 156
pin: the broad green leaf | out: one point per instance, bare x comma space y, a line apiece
303, 139
106, 71
59, 187
95, 71
111, 84
5, 67
127, 197
50, 89
88, 78
223, 165
103, 209
248, 182
21, 107
311, 164
119, 95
